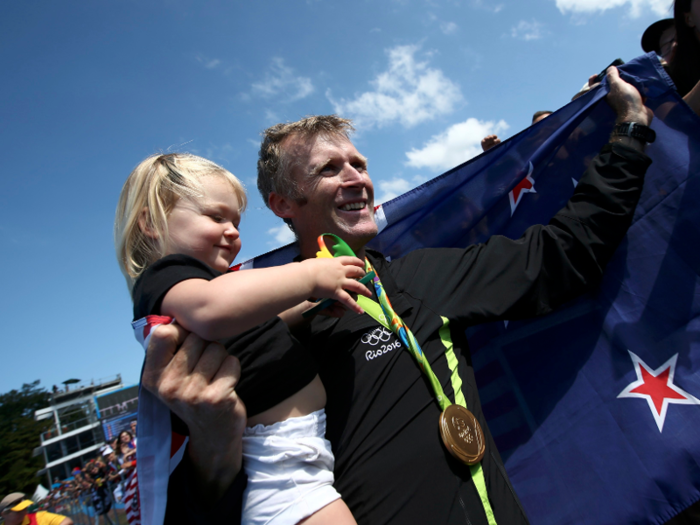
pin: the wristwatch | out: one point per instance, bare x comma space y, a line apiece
635, 131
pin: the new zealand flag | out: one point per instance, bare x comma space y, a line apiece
595, 407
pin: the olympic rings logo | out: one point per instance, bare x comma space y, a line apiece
376, 336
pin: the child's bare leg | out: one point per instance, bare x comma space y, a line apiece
336, 512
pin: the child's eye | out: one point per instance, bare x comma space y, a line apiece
217, 218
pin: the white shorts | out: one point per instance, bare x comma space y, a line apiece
290, 470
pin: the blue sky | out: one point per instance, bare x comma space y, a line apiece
90, 88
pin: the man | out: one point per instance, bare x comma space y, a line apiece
391, 465
14, 510
489, 141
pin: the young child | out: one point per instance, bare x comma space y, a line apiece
176, 234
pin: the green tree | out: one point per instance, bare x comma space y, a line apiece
19, 435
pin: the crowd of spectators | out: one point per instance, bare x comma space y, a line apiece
100, 483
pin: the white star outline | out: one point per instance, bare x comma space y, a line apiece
660, 418
514, 203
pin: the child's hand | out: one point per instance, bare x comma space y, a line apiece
334, 278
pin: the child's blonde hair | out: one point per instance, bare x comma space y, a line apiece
149, 195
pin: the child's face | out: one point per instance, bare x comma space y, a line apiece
207, 228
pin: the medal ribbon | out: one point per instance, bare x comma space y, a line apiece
402, 331
388, 317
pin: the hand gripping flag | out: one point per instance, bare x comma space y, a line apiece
595, 407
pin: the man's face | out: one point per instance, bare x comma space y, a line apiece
338, 195
14, 518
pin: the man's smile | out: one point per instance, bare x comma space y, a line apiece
352, 206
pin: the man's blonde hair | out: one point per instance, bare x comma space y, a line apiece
149, 195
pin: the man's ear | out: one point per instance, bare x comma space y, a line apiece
281, 206
145, 224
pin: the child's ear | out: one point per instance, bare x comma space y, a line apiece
145, 224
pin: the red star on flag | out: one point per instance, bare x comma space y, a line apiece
656, 386
527, 185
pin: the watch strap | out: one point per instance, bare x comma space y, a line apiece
635, 131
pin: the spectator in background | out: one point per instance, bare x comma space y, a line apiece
14, 508
684, 69
660, 37
490, 141
125, 437
126, 456
100, 497
678, 46
540, 115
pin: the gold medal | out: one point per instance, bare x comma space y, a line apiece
462, 435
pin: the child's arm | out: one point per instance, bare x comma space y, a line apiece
234, 302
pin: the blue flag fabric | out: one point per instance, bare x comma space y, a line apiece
596, 407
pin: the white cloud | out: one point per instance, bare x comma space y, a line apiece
409, 92
487, 6
280, 80
282, 235
393, 188
209, 63
448, 27
660, 7
454, 146
527, 30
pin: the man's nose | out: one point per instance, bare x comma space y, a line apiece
353, 177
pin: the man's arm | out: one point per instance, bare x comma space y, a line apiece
548, 265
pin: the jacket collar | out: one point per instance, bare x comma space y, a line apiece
398, 300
